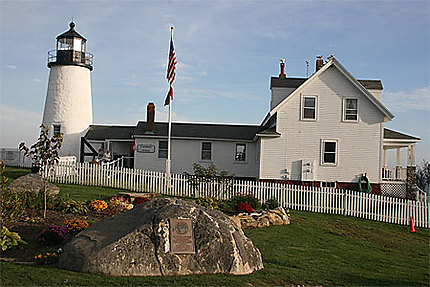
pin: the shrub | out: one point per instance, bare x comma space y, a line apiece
271, 203
244, 207
75, 225
244, 198
98, 205
140, 200
53, 235
9, 239
12, 208
74, 207
47, 258
208, 202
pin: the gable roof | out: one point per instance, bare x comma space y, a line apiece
334, 63
393, 135
200, 131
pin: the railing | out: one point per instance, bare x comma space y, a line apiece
73, 56
315, 199
394, 174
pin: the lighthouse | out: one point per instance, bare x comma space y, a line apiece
68, 105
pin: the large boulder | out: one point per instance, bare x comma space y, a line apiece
139, 243
34, 183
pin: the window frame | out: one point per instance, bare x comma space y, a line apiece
206, 150
54, 127
302, 108
166, 150
244, 159
328, 184
344, 114
323, 152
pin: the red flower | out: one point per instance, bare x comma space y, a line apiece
244, 207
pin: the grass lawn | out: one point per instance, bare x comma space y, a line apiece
315, 249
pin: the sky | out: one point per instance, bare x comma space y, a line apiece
227, 51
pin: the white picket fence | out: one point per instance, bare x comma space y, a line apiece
315, 199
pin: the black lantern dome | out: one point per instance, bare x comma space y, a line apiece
71, 50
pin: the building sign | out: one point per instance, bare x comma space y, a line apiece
181, 236
145, 148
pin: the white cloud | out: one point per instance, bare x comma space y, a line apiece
11, 67
36, 80
415, 99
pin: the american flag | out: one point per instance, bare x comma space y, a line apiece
171, 70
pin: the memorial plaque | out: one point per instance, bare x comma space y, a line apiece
181, 236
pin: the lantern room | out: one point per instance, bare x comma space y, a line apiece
71, 50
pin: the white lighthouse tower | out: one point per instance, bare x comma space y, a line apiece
68, 105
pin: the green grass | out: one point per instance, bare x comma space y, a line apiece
15, 172
315, 249
85, 193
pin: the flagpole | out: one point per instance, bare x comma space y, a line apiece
169, 134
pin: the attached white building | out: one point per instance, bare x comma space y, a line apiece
324, 130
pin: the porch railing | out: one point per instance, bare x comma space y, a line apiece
394, 174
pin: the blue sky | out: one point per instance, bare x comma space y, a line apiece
227, 52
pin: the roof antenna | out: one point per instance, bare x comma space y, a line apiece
307, 69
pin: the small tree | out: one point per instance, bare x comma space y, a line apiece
220, 179
423, 174
44, 153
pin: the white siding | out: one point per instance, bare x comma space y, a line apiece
358, 142
185, 152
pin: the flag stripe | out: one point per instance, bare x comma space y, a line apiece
171, 71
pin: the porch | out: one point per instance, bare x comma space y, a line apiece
404, 147
395, 179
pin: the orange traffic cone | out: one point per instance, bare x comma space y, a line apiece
412, 226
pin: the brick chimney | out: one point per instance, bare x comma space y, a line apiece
319, 63
282, 75
150, 118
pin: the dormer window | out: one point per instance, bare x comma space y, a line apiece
309, 108
350, 110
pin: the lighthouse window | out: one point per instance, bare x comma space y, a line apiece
57, 129
65, 44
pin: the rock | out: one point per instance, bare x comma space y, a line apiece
275, 219
236, 220
137, 243
34, 183
265, 218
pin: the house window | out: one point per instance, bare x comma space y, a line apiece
206, 150
56, 129
328, 184
162, 149
240, 152
350, 112
329, 152
309, 108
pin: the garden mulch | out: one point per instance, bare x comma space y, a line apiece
29, 229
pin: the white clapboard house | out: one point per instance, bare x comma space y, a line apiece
325, 130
